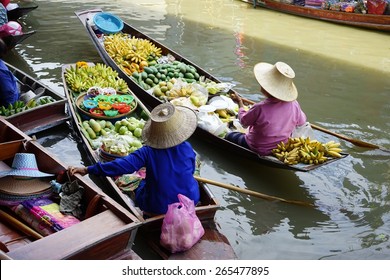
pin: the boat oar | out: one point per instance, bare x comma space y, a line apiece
253, 193
356, 142
19, 225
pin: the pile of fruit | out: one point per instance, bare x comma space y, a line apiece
177, 89
20, 106
164, 72
119, 139
82, 77
303, 150
130, 53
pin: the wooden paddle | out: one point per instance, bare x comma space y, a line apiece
253, 193
19, 225
356, 142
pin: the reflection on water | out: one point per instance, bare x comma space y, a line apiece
342, 79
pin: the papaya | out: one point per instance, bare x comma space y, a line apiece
189, 75
95, 125
86, 124
135, 75
148, 70
91, 133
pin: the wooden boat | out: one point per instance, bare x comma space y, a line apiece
41, 117
368, 21
213, 245
12, 40
151, 101
106, 230
19, 12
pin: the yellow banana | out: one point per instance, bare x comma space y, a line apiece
337, 150
334, 154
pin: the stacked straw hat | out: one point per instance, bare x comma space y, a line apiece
169, 126
23, 180
277, 80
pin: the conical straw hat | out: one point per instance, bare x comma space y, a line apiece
277, 80
169, 126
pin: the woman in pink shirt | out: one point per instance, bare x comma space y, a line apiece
273, 120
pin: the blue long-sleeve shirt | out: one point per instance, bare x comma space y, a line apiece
168, 173
9, 92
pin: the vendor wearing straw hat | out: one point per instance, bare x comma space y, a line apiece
169, 160
273, 120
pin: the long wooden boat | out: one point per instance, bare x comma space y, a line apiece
105, 229
48, 111
213, 244
19, 12
151, 101
368, 21
12, 40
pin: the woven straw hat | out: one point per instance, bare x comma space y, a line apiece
25, 165
24, 177
19, 186
169, 126
277, 80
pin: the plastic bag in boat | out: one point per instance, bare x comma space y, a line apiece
304, 131
181, 228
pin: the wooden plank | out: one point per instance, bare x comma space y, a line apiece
8, 149
78, 241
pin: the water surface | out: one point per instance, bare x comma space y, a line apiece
342, 75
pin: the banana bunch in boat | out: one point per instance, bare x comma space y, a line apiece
81, 78
226, 115
130, 53
12, 109
332, 149
20, 106
304, 150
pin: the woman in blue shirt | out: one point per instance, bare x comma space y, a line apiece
168, 158
9, 91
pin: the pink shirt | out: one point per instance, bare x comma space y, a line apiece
270, 122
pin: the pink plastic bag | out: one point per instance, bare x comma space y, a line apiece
181, 228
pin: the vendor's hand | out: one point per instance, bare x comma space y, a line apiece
238, 99
81, 170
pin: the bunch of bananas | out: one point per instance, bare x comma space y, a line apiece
303, 150
332, 149
130, 53
80, 79
11, 109
20, 106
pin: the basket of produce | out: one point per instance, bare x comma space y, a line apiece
105, 107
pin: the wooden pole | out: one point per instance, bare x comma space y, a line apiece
19, 225
356, 142
249, 192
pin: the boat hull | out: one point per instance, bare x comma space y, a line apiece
12, 40
19, 12
151, 227
41, 117
369, 21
